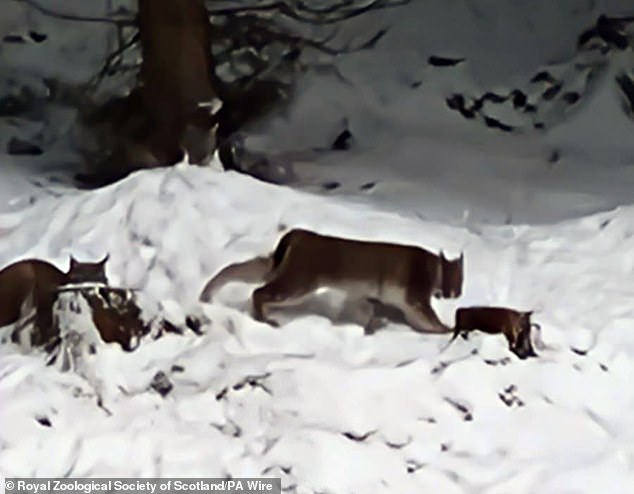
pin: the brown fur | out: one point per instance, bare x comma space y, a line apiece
401, 276
21, 281
114, 312
35, 282
514, 325
116, 316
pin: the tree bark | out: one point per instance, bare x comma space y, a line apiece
176, 78
171, 110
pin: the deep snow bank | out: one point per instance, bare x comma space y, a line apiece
321, 405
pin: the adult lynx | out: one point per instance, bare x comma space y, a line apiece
370, 273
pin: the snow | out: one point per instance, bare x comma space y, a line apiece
317, 403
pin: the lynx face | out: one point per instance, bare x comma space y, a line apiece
522, 345
452, 277
87, 272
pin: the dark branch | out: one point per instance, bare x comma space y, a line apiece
301, 11
110, 66
73, 17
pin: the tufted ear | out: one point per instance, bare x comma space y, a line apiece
105, 259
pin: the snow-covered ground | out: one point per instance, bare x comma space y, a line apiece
319, 404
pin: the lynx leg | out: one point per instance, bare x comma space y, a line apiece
362, 311
522, 345
422, 318
276, 295
44, 330
374, 323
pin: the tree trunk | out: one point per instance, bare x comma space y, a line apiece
176, 78
171, 111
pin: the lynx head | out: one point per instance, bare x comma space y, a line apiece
87, 272
452, 274
521, 338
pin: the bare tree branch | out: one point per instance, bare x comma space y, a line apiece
256, 32
301, 11
73, 17
112, 63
